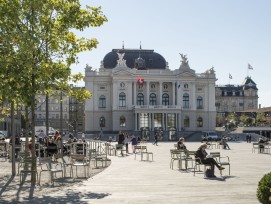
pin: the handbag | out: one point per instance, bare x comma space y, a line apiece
209, 173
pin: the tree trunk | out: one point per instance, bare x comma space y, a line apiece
47, 114
13, 139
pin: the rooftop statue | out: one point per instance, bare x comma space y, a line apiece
184, 59
88, 68
102, 64
212, 71
121, 61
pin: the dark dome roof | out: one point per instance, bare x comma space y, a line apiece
150, 59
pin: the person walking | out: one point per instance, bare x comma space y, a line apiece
126, 142
247, 137
134, 143
121, 137
155, 139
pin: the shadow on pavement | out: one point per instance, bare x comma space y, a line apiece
68, 198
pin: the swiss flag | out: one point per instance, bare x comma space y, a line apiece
140, 81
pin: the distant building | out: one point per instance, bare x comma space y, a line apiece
236, 98
76, 115
55, 109
59, 104
5, 122
134, 90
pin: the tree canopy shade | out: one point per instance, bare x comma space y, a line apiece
38, 46
37, 40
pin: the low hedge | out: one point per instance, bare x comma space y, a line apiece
263, 191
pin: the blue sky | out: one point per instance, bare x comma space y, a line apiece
226, 34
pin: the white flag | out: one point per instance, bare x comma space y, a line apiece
250, 67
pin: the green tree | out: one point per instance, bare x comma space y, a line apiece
260, 118
243, 118
38, 46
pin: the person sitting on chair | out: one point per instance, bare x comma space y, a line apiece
201, 157
224, 143
180, 144
261, 145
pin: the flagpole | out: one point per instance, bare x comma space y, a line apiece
248, 68
230, 77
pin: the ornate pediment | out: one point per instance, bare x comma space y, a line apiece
122, 73
183, 73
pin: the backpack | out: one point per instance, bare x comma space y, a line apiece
209, 173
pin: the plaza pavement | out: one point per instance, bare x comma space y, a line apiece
128, 180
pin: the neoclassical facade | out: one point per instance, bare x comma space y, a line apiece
134, 89
237, 98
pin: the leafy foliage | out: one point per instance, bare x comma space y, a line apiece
263, 191
38, 46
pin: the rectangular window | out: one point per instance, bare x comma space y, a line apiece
144, 119
102, 102
171, 120
157, 119
122, 100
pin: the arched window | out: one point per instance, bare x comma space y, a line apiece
165, 86
122, 100
102, 101
186, 122
199, 102
140, 99
102, 121
122, 121
153, 86
199, 122
122, 85
186, 100
152, 99
165, 99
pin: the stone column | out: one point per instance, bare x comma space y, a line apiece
115, 104
166, 122
149, 120
177, 121
148, 93
160, 92
173, 93
135, 121
152, 121
134, 95
163, 123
